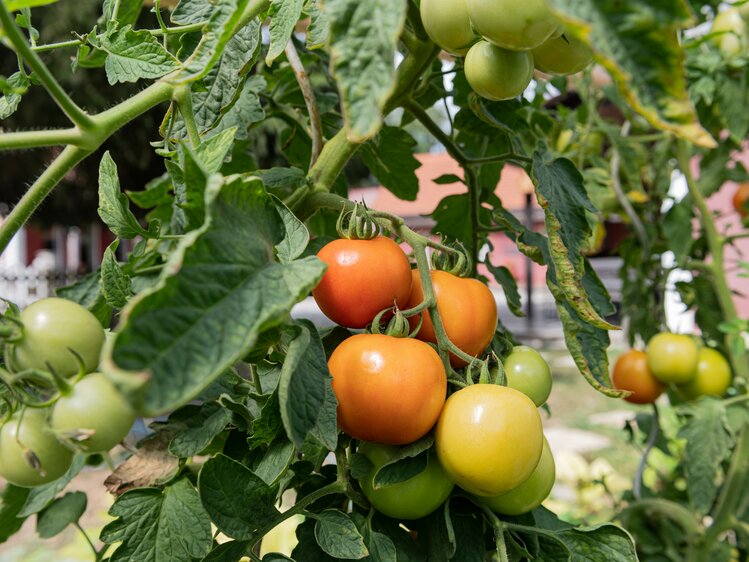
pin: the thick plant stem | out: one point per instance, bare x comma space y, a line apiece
38, 139
305, 85
716, 243
65, 162
62, 99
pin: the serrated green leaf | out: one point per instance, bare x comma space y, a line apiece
604, 543
12, 499
283, 17
297, 236
14, 88
154, 525
116, 285
638, 44
114, 208
246, 109
230, 551
183, 342
275, 461
228, 489
390, 157
200, 431
59, 514
677, 229
192, 11
87, 292
337, 535
213, 150
318, 32
325, 430
134, 55
41, 496
362, 54
510, 287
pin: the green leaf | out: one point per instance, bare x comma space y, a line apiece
450, 218
127, 11
230, 551
283, 17
297, 236
190, 181
364, 37
390, 157
15, 5
134, 55
275, 461
325, 430
13, 89
246, 109
219, 291
87, 292
154, 524
677, 229
561, 194
408, 462
604, 543
41, 496
266, 426
116, 285
301, 389
114, 208
447, 179
381, 548
638, 44
213, 150
338, 536
12, 499
200, 431
62, 512
708, 444
192, 11
279, 178
237, 500
509, 286
318, 32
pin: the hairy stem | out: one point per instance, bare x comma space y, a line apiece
315, 121
37, 139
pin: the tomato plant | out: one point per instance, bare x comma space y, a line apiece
485, 62
93, 414
477, 427
414, 498
30, 455
631, 372
389, 390
672, 358
57, 334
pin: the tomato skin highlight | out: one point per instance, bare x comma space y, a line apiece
489, 439
34, 434
631, 372
467, 309
389, 390
496, 73
447, 24
411, 499
94, 404
529, 373
531, 493
713, 376
740, 199
363, 278
672, 358
51, 328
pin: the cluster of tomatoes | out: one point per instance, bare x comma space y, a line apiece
730, 31
392, 389
675, 359
502, 41
58, 341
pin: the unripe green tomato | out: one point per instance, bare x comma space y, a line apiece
731, 32
531, 493
32, 435
52, 327
447, 24
498, 74
527, 372
562, 55
713, 376
518, 25
94, 405
672, 358
414, 498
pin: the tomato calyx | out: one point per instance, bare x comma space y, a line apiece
453, 259
357, 224
397, 326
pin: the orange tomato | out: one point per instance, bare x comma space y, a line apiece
631, 372
466, 307
363, 278
389, 390
740, 199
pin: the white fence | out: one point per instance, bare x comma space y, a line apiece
24, 285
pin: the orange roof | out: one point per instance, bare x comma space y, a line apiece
511, 189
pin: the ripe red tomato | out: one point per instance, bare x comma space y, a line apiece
631, 372
467, 309
414, 498
740, 199
531, 493
363, 278
489, 438
389, 390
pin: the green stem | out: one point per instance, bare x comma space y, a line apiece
38, 139
98, 555
61, 98
333, 157
474, 204
652, 438
183, 97
734, 342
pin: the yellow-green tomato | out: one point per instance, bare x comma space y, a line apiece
730, 32
414, 498
531, 493
518, 25
94, 414
562, 55
713, 376
527, 372
447, 24
489, 438
27, 441
54, 332
496, 73
672, 358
